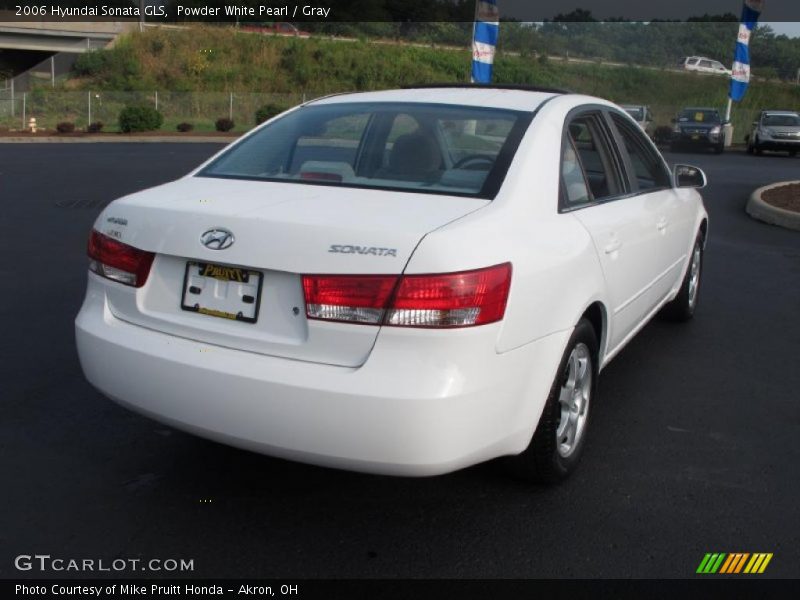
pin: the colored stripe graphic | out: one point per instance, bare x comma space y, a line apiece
727, 564
733, 563
711, 562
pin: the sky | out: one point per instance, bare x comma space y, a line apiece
792, 29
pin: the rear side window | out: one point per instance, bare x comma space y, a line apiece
648, 171
586, 140
575, 189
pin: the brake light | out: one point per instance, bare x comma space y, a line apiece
351, 298
117, 261
451, 300
444, 300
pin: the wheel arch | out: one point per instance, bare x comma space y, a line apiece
704, 231
597, 315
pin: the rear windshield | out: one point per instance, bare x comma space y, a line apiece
414, 147
694, 115
782, 121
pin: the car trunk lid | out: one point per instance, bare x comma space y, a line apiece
280, 231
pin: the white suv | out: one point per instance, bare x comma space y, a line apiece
405, 282
703, 65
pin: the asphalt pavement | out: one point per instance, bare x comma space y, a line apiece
693, 446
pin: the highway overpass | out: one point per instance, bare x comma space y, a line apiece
25, 44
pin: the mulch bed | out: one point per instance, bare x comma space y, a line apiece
786, 197
106, 134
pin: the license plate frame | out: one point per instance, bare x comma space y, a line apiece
238, 278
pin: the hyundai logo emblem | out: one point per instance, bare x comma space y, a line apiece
217, 239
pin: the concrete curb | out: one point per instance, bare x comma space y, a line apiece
758, 209
121, 139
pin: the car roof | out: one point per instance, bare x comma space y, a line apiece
505, 97
792, 113
704, 108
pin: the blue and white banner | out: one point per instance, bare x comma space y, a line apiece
484, 40
740, 72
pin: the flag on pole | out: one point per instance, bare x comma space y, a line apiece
484, 40
740, 75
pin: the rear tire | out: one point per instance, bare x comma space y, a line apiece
792, 153
682, 307
757, 149
557, 443
719, 149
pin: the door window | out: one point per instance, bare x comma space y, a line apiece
648, 169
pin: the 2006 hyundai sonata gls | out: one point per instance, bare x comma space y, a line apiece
403, 282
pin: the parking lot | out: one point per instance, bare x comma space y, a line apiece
693, 446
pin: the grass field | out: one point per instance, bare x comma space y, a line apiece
206, 60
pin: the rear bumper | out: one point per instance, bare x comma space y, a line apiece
424, 403
701, 139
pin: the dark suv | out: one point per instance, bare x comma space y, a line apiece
698, 127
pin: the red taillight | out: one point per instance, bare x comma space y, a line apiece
443, 300
452, 299
117, 261
351, 298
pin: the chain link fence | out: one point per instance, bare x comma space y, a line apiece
202, 109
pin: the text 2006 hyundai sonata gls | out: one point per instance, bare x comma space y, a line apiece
403, 282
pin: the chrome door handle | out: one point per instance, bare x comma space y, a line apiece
612, 246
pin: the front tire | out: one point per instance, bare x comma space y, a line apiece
682, 307
557, 443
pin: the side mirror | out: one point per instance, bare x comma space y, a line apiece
687, 176
755, 123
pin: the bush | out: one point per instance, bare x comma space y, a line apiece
268, 111
139, 118
65, 127
224, 124
184, 127
95, 127
89, 63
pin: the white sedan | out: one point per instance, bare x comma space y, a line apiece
402, 282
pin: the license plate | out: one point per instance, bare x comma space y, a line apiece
695, 137
221, 291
